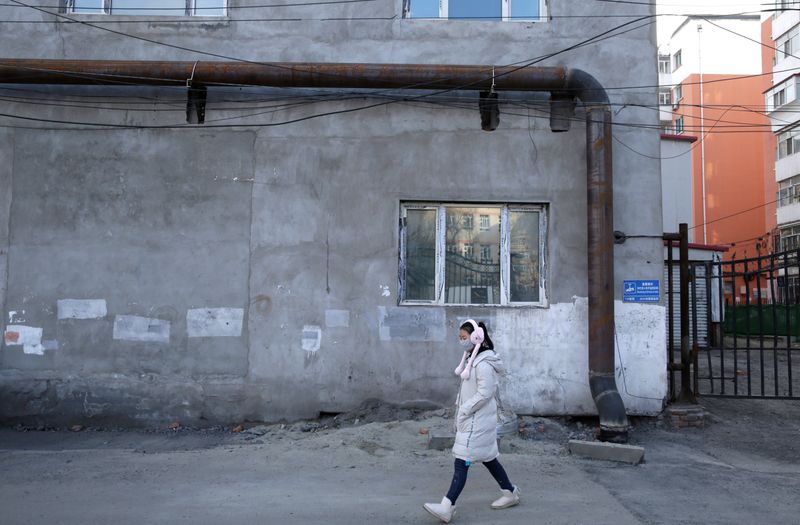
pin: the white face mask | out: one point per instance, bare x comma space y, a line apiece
465, 343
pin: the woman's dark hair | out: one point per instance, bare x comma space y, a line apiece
487, 342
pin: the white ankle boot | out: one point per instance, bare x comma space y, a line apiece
444, 510
508, 499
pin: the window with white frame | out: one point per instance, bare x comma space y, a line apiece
678, 94
506, 10
664, 64
677, 60
439, 265
787, 45
788, 143
148, 7
789, 191
664, 97
779, 98
485, 223
679, 125
790, 237
782, 94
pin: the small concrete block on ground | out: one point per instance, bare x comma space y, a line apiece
686, 416
440, 441
607, 451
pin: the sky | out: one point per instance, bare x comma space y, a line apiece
668, 24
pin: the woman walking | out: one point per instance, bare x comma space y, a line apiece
476, 420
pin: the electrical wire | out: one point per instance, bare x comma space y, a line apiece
594, 39
227, 7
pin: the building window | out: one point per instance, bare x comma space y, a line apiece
788, 143
484, 223
679, 125
677, 60
664, 64
790, 238
664, 97
678, 91
787, 45
507, 10
789, 191
466, 221
438, 263
781, 95
148, 7
779, 98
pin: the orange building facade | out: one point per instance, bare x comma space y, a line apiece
730, 186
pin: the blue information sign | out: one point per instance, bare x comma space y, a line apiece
642, 291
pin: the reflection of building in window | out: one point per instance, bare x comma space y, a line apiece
494, 10
463, 277
148, 7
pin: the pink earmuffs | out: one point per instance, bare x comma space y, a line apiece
476, 338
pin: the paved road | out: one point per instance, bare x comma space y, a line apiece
743, 469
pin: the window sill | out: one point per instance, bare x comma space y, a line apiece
513, 306
470, 20
143, 19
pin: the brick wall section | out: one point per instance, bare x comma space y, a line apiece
683, 416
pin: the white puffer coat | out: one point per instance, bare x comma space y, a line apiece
476, 415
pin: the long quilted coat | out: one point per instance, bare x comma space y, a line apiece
476, 417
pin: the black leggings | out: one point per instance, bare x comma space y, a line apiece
460, 477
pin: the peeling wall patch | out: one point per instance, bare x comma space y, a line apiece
411, 324
15, 316
385, 291
311, 339
337, 318
82, 308
214, 322
29, 337
135, 328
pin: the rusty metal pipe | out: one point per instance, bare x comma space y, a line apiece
559, 81
277, 74
600, 232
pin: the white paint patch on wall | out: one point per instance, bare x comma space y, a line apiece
547, 355
311, 339
214, 322
385, 291
337, 318
145, 329
29, 337
15, 316
82, 308
641, 356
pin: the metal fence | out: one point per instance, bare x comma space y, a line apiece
751, 348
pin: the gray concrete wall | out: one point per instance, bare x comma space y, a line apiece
243, 241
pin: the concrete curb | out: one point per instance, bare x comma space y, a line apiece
607, 451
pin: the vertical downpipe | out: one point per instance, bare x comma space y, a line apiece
600, 215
